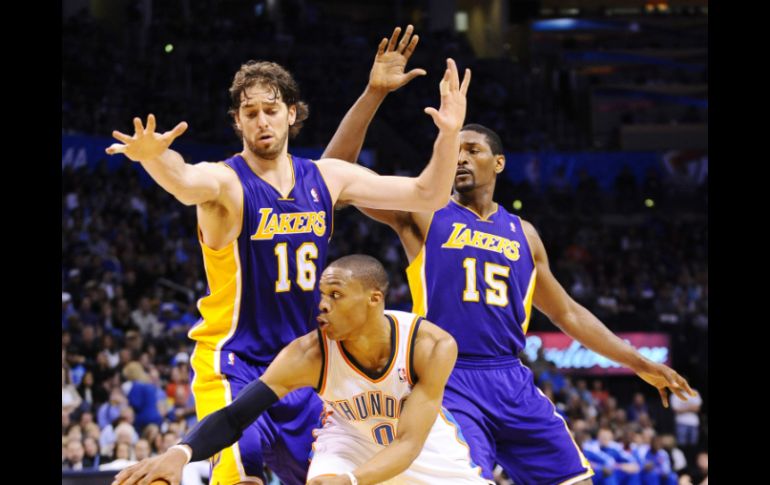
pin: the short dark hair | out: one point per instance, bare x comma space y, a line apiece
493, 139
366, 269
275, 76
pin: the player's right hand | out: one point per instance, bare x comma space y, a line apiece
167, 466
145, 144
387, 72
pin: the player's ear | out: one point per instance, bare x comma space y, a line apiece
376, 297
292, 114
499, 163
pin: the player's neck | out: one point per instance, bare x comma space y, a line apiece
265, 165
478, 200
371, 345
277, 172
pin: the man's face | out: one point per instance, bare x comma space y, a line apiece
169, 440
74, 451
344, 303
477, 166
605, 437
142, 449
89, 446
264, 119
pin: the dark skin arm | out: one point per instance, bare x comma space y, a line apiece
582, 325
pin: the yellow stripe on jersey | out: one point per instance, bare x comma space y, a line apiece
583, 460
212, 392
220, 310
528, 301
415, 276
578, 478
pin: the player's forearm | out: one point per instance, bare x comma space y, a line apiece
222, 428
434, 184
388, 463
178, 178
584, 327
349, 138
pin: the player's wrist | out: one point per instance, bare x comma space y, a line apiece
378, 92
352, 478
183, 451
640, 364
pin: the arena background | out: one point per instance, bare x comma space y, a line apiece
602, 107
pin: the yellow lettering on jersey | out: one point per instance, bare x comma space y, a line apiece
478, 239
319, 226
286, 223
511, 250
463, 236
271, 224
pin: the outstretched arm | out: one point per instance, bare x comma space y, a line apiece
190, 184
582, 325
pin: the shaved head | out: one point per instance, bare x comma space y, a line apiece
366, 270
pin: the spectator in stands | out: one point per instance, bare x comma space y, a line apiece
638, 406
687, 420
111, 410
70, 399
142, 449
141, 395
91, 456
75, 453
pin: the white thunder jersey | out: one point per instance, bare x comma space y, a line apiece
362, 411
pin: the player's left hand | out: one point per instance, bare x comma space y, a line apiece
330, 480
664, 377
387, 72
451, 113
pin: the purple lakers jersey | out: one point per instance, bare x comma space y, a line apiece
263, 286
474, 277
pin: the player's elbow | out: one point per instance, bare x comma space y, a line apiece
198, 195
567, 320
189, 199
431, 199
186, 199
446, 349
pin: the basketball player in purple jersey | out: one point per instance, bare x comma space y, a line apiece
473, 269
264, 222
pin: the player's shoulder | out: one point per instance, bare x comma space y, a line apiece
434, 352
218, 169
529, 229
308, 345
430, 336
